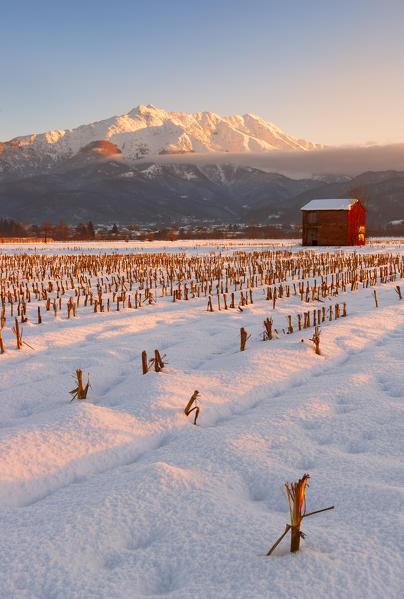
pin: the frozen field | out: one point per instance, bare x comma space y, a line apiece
120, 496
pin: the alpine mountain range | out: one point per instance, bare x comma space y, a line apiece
151, 166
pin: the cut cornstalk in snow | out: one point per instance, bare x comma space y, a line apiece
188, 408
144, 362
398, 290
1, 343
80, 392
268, 329
158, 361
18, 334
145, 367
296, 496
316, 340
375, 296
243, 338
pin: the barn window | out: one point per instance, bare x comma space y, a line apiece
312, 218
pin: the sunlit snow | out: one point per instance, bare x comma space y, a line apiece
120, 495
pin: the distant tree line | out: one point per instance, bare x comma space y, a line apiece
9, 228
47, 230
87, 231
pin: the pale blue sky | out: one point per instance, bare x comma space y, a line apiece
331, 72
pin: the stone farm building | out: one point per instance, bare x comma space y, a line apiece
334, 222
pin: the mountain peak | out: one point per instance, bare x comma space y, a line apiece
150, 131
142, 109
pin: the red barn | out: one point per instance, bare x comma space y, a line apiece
334, 222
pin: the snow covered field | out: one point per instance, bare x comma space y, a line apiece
121, 496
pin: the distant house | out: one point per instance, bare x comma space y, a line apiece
334, 222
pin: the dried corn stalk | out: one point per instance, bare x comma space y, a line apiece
297, 509
243, 338
316, 340
296, 496
188, 408
80, 392
18, 335
158, 361
268, 329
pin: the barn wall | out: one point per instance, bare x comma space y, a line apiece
357, 225
331, 228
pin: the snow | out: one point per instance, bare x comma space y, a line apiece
189, 175
129, 174
152, 171
155, 130
120, 495
337, 204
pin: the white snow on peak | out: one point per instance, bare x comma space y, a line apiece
148, 130
189, 175
336, 204
152, 171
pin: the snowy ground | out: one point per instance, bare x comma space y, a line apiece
121, 496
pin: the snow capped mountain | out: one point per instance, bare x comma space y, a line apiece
95, 172
148, 131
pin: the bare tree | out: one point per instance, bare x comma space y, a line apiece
361, 193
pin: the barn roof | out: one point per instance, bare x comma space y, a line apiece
338, 204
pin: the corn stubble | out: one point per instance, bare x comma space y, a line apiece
188, 408
296, 497
80, 392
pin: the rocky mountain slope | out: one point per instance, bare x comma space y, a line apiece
93, 186
99, 184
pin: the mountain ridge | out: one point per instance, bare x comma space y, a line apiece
144, 167
150, 131
98, 184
